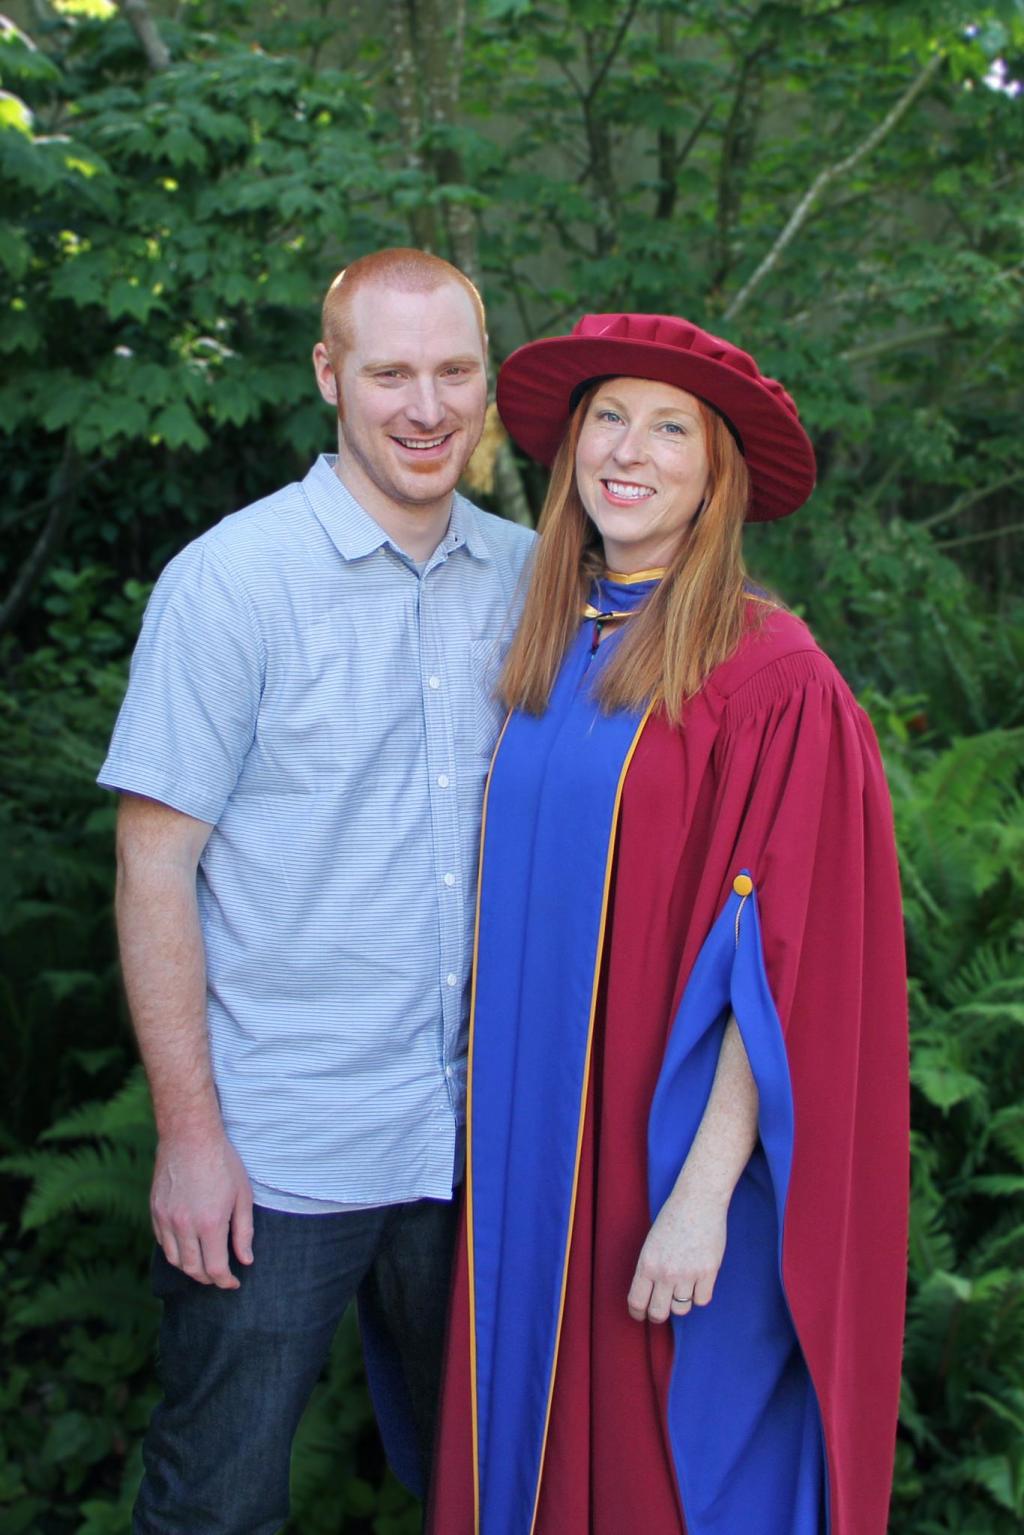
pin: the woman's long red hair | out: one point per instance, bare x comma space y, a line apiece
691, 622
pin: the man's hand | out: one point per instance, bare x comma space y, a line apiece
201, 1192
680, 1260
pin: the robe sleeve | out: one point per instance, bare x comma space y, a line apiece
802, 801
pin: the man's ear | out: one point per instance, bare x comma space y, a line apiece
326, 379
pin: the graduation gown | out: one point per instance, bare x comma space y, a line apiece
639, 883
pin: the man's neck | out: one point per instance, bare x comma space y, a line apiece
417, 530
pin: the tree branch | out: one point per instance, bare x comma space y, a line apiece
978, 538
970, 498
665, 140
60, 504
825, 178
671, 161
158, 55
429, 73
737, 149
410, 117
694, 134
613, 52
574, 84
599, 170
895, 343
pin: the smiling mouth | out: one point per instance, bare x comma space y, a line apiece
422, 444
624, 490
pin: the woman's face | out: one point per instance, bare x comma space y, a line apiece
641, 470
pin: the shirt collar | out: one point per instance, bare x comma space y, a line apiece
464, 527
355, 534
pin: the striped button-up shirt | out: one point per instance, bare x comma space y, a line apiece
328, 707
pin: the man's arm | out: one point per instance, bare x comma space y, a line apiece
684, 1248
200, 1188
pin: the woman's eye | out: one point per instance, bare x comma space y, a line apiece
674, 428
608, 415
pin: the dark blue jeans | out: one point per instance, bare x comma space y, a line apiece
237, 1367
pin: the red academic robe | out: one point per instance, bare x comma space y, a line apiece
776, 771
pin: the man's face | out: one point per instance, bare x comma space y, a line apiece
411, 393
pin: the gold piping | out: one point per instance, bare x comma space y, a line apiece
634, 577
583, 1098
469, 1147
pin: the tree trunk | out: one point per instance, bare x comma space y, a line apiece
137, 14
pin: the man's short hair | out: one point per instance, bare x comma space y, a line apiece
410, 271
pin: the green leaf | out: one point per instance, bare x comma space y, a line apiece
20, 332
1001, 1478
83, 278
941, 1081
233, 400
67, 398
15, 115
181, 147
178, 428
130, 296
15, 251
96, 10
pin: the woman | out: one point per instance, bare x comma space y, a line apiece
688, 1053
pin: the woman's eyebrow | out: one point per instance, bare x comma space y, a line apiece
659, 410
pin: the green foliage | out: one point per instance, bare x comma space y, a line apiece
77, 1323
897, 614
61, 1010
960, 821
168, 235
79, 1326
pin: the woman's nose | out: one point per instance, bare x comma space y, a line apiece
630, 448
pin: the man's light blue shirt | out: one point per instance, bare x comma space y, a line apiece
329, 709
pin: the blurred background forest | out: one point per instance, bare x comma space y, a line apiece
836, 185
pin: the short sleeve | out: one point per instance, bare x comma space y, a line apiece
189, 716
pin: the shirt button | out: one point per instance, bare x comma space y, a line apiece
452, 979
449, 879
448, 1071
442, 780
433, 682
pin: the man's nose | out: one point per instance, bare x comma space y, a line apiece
425, 407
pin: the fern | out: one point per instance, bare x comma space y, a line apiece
109, 1293
960, 819
1007, 1128
128, 1112
106, 1179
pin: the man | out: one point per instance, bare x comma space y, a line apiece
301, 756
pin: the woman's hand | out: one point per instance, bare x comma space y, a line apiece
680, 1260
